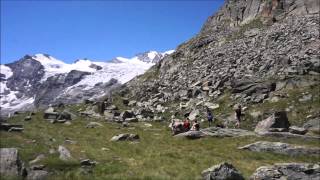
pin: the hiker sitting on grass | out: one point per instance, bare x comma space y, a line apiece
186, 125
176, 127
195, 126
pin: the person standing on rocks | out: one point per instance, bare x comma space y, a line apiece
238, 115
209, 116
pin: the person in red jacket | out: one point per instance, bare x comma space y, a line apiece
186, 124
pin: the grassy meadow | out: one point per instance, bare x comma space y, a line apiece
157, 155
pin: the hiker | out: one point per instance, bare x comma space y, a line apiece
195, 126
186, 124
209, 116
238, 115
176, 127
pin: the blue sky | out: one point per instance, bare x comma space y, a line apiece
98, 30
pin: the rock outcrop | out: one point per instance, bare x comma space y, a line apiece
216, 132
10, 163
250, 48
226, 132
281, 148
289, 171
278, 121
222, 171
65, 154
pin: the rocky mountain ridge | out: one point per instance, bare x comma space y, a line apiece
268, 49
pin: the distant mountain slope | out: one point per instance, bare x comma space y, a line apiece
41, 79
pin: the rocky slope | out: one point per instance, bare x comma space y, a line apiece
249, 48
40, 80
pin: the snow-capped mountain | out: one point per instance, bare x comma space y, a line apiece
41, 79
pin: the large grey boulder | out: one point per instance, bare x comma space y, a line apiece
64, 153
281, 148
10, 163
226, 132
288, 171
215, 132
277, 120
223, 171
297, 130
191, 134
287, 135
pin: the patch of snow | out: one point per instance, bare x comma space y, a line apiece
152, 54
17, 104
168, 52
54, 66
6, 71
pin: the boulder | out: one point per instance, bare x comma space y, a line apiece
289, 171
125, 124
64, 153
281, 148
37, 159
306, 98
27, 118
88, 162
10, 127
64, 115
158, 118
93, 125
112, 107
212, 106
287, 135
16, 129
10, 163
223, 171
226, 132
277, 120
193, 114
297, 130
50, 110
126, 114
215, 132
37, 175
191, 134
132, 103
50, 115
125, 137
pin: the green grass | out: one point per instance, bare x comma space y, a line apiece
157, 156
